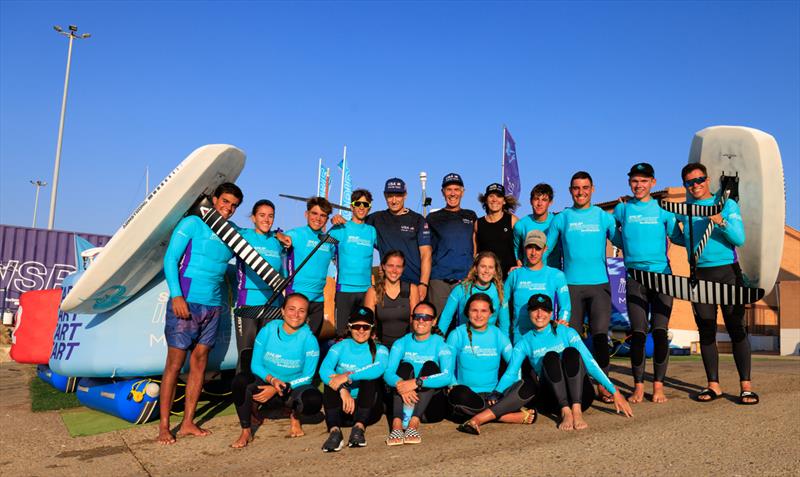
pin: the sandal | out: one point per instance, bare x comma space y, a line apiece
395, 438
468, 428
607, 398
529, 415
712, 395
412, 436
748, 395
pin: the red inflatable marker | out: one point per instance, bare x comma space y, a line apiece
32, 339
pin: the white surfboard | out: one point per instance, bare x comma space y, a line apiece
754, 155
135, 254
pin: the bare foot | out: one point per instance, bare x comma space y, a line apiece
658, 393
192, 429
295, 429
165, 437
577, 419
567, 422
244, 438
638, 394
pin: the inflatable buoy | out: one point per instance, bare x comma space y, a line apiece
65, 384
135, 400
32, 338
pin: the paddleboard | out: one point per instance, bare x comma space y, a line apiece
135, 254
754, 156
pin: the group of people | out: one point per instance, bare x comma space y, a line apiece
471, 319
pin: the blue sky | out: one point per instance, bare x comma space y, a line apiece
408, 86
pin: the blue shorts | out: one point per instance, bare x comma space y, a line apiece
201, 328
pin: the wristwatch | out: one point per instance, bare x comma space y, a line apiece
419, 383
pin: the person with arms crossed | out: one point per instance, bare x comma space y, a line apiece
494, 232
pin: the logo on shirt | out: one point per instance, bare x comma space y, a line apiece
409, 228
480, 352
531, 285
359, 241
643, 219
583, 227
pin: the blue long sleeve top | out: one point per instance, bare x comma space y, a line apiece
252, 291
292, 358
536, 344
457, 301
354, 256
349, 356
522, 283
644, 230
416, 353
478, 358
527, 224
311, 279
582, 234
721, 246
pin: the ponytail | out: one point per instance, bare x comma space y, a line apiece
469, 336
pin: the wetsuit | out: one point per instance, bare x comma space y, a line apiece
522, 283
393, 316
347, 356
644, 230
718, 263
431, 360
527, 224
194, 265
457, 301
497, 237
582, 234
353, 268
252, 291
453, 251
405, 232
291, 358
311, 279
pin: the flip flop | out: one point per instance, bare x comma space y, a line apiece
468, 428
607, 398
748, 394
712, 395
412, 436
395, 438
530, 415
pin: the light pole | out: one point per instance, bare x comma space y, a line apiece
423, 179
39, 185
72, 34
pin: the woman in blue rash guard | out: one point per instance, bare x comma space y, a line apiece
352, 372
485, 276
560, 363
478, 348
285, 359
252, 291
420, 367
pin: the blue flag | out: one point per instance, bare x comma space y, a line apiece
347, 188
511, 180
323, 177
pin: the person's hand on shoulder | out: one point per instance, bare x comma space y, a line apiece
284, 239
338, 220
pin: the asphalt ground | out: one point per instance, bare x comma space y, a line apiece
680, 437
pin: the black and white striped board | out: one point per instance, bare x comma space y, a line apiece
703, 291
239, 246
684, 208
255, 312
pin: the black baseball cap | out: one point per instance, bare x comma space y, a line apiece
395, 185
540, 302
495, 188
642, 169
452, 178
362, 314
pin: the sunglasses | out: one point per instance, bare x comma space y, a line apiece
360, 327
422, 317
361, 203
695, 181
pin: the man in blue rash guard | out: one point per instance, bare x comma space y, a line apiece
718, 263
539, 219
644, 228
252, 291
357, 240
582, 231
284, 361
352, 372
451, 236
560, 363
536, 277
194, 265
311, 279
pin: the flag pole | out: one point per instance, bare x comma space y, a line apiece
319, 177
344, 168
503, 159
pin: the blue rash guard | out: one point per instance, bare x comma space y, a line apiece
536, 344
582, 234
354, 256
527, 224
451, 237
645, 228
478, 362
415, 352
195, 263
292, 358
522, 283
310, 281
347, 356
252, 290
720, 249
457, 301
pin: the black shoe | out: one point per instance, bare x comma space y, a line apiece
334, 443
357, 438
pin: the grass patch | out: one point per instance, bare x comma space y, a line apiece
47, 398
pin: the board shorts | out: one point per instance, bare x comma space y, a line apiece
200, 328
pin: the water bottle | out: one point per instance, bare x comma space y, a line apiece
408, 410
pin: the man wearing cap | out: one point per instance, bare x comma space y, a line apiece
539, 219
451, 237
582, 231
536, 278
405, 230
494, 232
644, 229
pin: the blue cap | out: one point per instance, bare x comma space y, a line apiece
395, 185
452, 178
